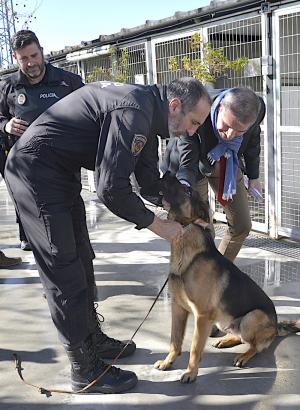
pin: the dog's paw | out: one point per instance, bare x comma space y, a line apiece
188, 377
240, 360
219, 344
162, 365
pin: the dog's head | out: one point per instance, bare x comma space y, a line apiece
185, 204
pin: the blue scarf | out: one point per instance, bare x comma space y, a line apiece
228, 149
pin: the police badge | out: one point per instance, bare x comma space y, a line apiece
138, 144
21, 99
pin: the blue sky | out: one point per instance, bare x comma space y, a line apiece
60, 23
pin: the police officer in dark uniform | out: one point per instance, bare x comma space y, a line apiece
112, 128
29, 92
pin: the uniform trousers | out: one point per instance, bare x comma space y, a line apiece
237, 213
22, 234
2, 161
47, 198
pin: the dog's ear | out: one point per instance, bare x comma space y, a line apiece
170, 179
169, 183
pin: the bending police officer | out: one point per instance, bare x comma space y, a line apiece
113, 129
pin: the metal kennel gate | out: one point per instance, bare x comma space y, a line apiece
238, 38
287, 131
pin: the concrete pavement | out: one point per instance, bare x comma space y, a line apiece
130, 268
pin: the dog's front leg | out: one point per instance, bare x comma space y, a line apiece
202, 328
179, 318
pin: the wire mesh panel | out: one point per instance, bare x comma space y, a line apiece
289, 44
97, 68
242, 38
176, 48
289, 271
127, 64
258, 272
136, 66
289, 123
290, 180
271, 273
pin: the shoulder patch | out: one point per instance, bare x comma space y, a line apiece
21, 99
138, 144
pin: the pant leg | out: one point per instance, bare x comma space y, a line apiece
84, 249
2, 161
202, 188
237, 215
45, 196
22, 234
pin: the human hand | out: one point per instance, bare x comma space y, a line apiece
165, 204
255, 184
166, 229
255, 189
16, 126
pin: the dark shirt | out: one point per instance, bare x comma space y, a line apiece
184, 155
113, 129
20, 99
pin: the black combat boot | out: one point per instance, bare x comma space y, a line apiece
107, 347
86, 366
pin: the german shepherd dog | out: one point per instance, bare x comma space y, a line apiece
205, 283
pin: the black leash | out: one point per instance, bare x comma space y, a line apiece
48, 391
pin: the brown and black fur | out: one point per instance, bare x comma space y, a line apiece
203, 282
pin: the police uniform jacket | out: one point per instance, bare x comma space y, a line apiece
20, 99
109, 127
186, 157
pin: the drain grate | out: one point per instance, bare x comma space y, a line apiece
254, 240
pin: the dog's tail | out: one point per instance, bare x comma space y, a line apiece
288, 326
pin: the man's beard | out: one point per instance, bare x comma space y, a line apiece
36, 73
173, 125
